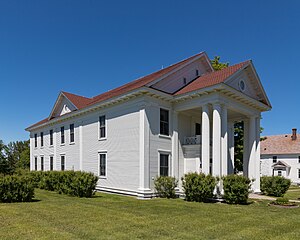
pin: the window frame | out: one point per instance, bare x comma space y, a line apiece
51, 137
299, 173
99, 164
101, 126
35, 140
275, 159
51, 163
164, 122
42, 162
35, 163
72, 133
42, 138
64, 168
167, 153
62, 135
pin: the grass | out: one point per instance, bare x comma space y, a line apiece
54, 216
293, 193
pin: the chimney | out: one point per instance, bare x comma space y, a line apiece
294, 134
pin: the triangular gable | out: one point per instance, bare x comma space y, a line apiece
62, 106
183, 75
280, 164
247, 81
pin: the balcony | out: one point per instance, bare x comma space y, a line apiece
194, 140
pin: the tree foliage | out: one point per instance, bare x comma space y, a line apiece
217, 65
14, 155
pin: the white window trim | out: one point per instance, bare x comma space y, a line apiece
167, 152
60, 155
42, 156
169, 113
62, 144
102, 138
102, 152
71, 143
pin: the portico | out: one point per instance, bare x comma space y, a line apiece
212, 152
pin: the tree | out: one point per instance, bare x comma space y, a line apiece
217, 65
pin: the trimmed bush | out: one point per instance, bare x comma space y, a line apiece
236, 189
198, 187
281, 201
16, 189
73, 183
274, 186
165, 186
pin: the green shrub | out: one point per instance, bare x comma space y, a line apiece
73, 183
236, 189
165, 186
274, 186
282, 201
16, 189
198, 187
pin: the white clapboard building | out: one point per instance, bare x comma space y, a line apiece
173, 121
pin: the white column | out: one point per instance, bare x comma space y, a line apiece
205, 141
216, 140
80, 147
144, 153
256, 184
246, 148
175, 164
230, 148
252, 150
224, 147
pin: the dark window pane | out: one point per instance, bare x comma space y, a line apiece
42, 139
164, 164
198, 129
72, 133
51, 137
102, 165
102, 130
51, 163
42, 163
62, 163
62, 135
164, 122
35, 140
35, 163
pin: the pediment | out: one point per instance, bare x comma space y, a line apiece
248, 82
62, 106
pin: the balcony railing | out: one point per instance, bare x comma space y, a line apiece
192, 140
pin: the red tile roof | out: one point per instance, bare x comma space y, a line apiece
280, 144
78, 101
201, 82
211, 79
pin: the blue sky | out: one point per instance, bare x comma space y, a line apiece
89, 47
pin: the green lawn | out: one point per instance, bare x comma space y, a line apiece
293, 193
106, 216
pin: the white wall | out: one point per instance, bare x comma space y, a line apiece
291, 160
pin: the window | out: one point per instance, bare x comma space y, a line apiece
72, 133
274, 159
42, 163
210, 166
102, 130
184, 81
102, 164
51, 137
164, 122
42, 139
62, 135
298, 159
279, 173
164, 164
35, 163
35, 140
298, 173
197, 72
51, 163
197, 129
62, 163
